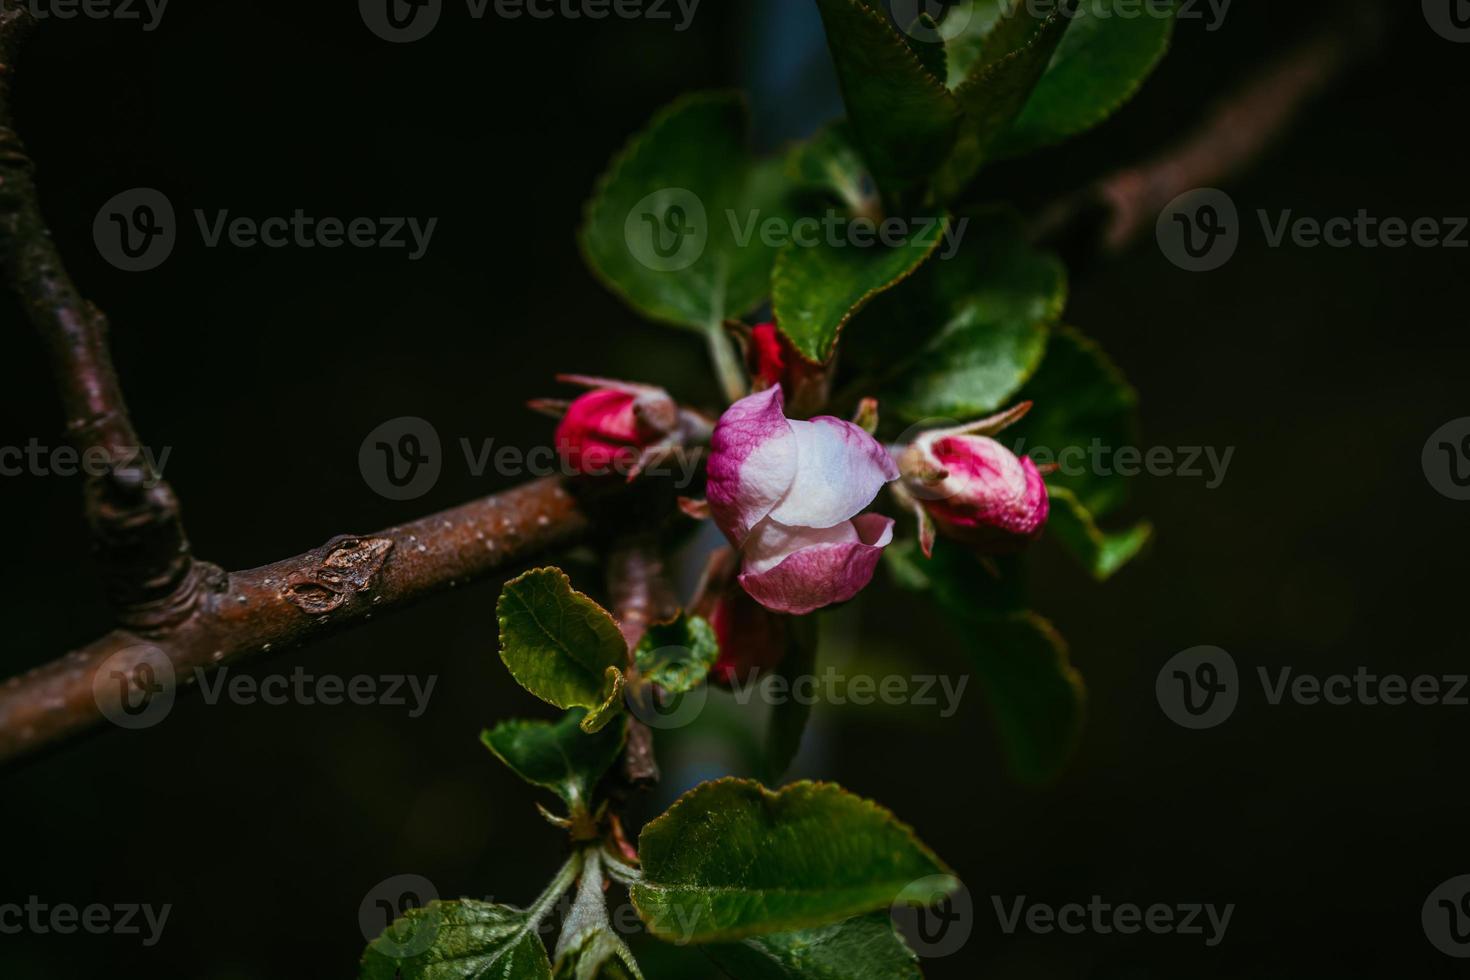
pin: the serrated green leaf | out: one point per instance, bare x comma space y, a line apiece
829, 162
558, 756
997, 89
1101, 62
666, 227
561, 646
677, 656
967, 25
961, 337
816, 289
789, 716
1080, 396
468, 940
863, 948
731, 860
1102, 553
903, 117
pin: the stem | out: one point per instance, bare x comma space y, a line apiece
547, 900
728, 368
641, 595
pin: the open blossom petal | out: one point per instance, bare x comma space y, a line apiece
840, 469
800, 570
753, 461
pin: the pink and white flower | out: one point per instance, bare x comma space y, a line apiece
789, 494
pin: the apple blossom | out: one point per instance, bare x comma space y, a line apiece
789, 495
610, 426
976, 490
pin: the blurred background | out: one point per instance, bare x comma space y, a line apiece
1324, 548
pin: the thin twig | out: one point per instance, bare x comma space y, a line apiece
641, 596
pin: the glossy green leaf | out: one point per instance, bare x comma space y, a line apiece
966, 27
731, 860
902, 116
996, 91
672, 225
463, 940
1102, 553
561, 646
1082, 403
816, 289
1104, 58
677, 656
789, 716
558, 756
960, 338
863, 948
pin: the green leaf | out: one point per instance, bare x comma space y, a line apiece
1080, 397
966, 28
558, 756
863, 948
903, 117
961, 337
1099, 65
666, 227
1103, 554
677, 656
561, 646
732, 859
789, 716
995, 92
470, 941
816, 289
829, 162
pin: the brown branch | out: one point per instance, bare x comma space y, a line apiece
134, 515
342, 583
641, 596
1116, 210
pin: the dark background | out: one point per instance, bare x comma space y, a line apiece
264, 827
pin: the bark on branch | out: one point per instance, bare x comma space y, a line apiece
641, 596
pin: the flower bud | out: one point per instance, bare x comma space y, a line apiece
753, 640
789, 494
774, 361
610, 426
977, 491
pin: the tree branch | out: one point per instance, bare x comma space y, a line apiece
641, 596
342, 583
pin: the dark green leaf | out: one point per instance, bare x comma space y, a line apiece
677, 656
830, 163
1102, 553
561, 646
995, 92
666, 228
731, 860
903, 117
789, 716
960, 338
1099, 65
863, 948
463, 940
1081, 400
816, 289
558, 757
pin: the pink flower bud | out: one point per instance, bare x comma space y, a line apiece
789, 494
977, 490
806, 385
608, 428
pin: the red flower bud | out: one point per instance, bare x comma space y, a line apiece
752, 639
773, 360
977, 490
609, 427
